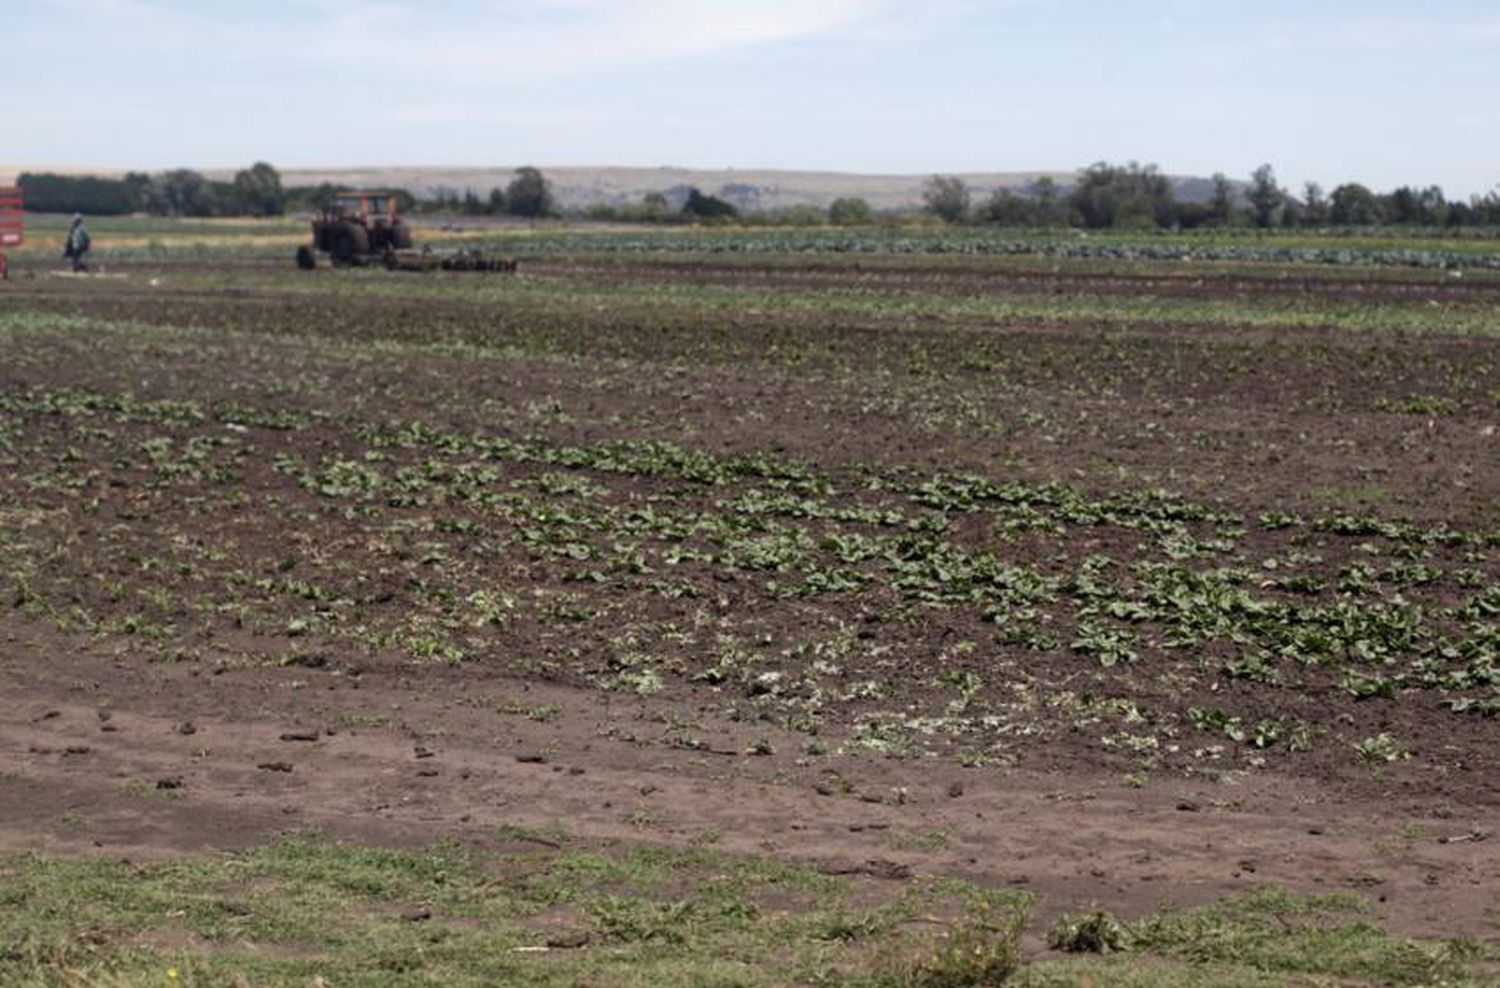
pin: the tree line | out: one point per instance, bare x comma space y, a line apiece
258, 191
1108, 196
1103, 196
254, 191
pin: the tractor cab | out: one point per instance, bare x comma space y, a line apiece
366, 207
12, 230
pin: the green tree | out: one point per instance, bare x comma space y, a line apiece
1432, 206
1265, 196
49, 193
1291, 212
850, 211
801, 214
654, 208
946, 197
1048, 201
530, 194
1221, 203
1314, 205
137, 183
708, 207
182, 192
1006, 208
1351, 204
314, 197
1134, 195
258, 191
1426, 207
496, 203
1483, 209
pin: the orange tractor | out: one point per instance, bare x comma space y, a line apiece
12, 231
364, 228
357, 228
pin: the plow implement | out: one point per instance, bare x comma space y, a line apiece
463, 260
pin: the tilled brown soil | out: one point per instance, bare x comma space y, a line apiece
222, 625
979, 279
112, 756
1299, 419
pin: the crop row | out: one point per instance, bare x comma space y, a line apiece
982, 244
647, 566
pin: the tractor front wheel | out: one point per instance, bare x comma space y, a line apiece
306, 259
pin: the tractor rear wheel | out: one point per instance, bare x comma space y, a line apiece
350, 242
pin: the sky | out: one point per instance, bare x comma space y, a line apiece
1381, 92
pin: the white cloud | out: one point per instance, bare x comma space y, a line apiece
899, 22
481, 40
630, 33
1405, 32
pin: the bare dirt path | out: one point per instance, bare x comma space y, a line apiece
105, 754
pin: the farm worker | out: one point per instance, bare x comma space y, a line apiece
78, 244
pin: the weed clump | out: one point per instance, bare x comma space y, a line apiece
1095, 933
982, 952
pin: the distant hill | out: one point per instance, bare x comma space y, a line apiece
750, 189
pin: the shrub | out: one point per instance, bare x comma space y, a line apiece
850, 211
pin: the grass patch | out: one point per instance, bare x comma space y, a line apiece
1269, 937
304, 908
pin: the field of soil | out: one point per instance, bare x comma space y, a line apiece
1125, 588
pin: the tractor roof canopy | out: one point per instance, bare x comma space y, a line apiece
367, 205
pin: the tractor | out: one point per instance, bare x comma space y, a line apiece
359, 227
363, 228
